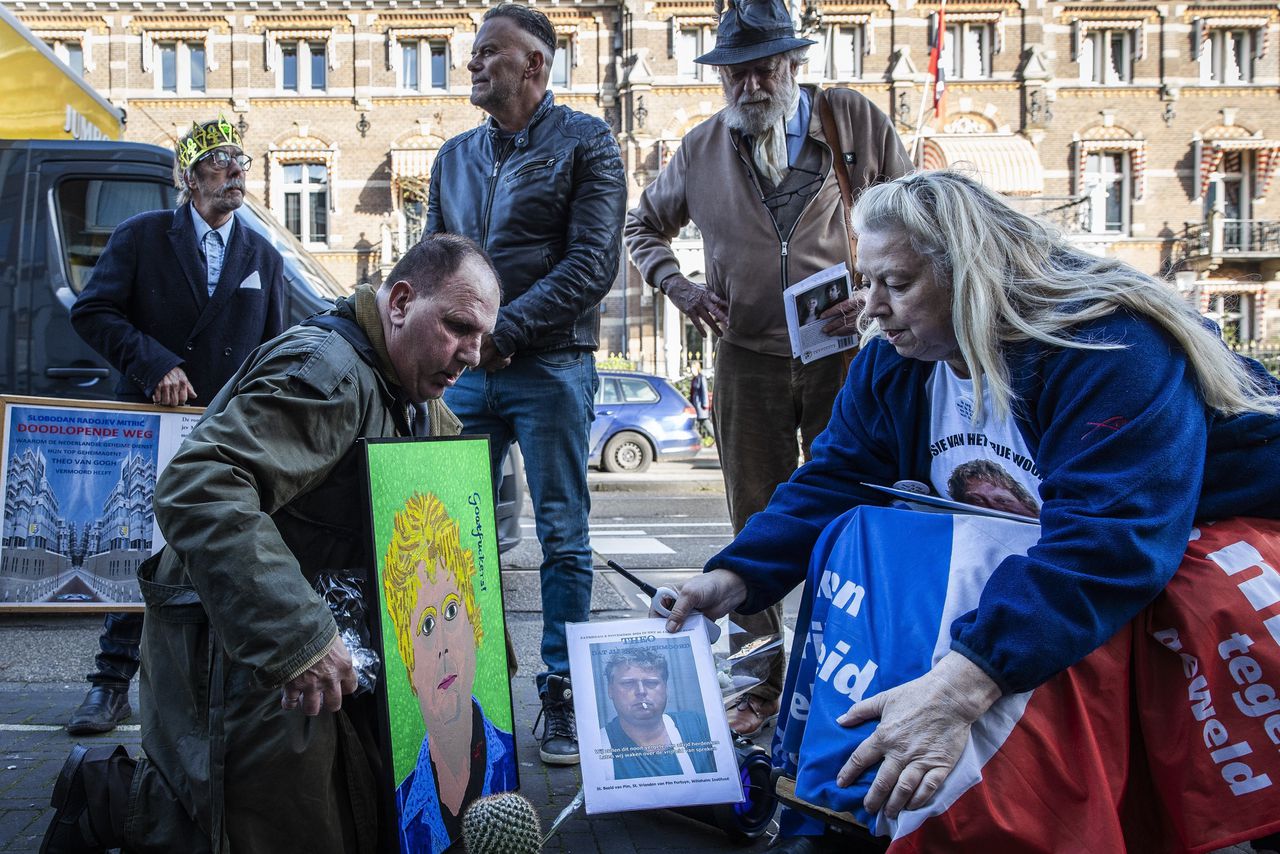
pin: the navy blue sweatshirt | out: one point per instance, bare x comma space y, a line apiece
1130, 457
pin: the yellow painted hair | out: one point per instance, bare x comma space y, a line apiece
425, 532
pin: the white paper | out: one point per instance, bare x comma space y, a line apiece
805, 301
648, 740
934, 504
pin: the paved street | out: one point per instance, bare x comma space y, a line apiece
664, 524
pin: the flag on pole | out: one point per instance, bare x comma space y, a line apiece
936, 69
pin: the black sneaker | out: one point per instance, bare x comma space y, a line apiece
103, 707
559, 732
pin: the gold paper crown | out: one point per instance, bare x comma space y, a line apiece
203, 138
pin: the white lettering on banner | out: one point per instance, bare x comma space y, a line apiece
1262, 590
1238, 776
800, 698
846, 596
1198, 694
799, 706
851, 679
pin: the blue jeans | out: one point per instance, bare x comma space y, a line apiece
120, 641
546, 402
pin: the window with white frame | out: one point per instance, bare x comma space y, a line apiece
1231, 193
1233, 312
424, 64
838, 52
966, 51
1226, 56
1106, 56
305, 195
180, 66
70, 52
562, 62
302, 66
1108, 183
692, 42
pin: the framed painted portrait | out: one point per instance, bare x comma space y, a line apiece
652, 731
78, 480
446, 689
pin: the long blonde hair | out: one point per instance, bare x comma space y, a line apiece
1014, 278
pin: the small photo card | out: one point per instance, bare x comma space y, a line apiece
652, 732
803, 304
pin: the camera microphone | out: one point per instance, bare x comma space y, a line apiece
506, 823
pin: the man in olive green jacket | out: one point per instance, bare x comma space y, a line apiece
248, 743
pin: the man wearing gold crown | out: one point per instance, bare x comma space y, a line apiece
176, 302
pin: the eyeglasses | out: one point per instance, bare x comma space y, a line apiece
220, 160
778, 199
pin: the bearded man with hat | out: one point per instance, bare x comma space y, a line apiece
175, 303
760, 180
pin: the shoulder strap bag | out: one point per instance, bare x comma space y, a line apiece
838, 165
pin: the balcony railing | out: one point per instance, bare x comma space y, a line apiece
1071, 214
1267, 354
1220, 237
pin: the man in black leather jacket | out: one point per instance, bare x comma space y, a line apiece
542, 189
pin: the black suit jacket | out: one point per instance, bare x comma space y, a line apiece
147, 309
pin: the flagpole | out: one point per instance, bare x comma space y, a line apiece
931, 87
919, 140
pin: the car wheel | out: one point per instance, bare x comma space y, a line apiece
627, 452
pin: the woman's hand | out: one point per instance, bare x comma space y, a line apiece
923, 728
713, 593
842, 317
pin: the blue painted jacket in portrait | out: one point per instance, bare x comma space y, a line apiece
422, 828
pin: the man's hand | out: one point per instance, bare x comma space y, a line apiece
842, 317
713, 593
924, 726
174, 390
490, 359
321, 685
698, 303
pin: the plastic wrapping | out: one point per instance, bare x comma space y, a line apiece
742, 659
343, 592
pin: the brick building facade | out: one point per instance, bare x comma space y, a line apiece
1149, 131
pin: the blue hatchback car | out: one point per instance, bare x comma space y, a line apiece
640, 418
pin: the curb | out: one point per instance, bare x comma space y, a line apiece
624, 483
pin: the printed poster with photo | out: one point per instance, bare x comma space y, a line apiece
446, 689
79, 478
651, 725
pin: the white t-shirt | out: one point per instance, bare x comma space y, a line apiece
988, 464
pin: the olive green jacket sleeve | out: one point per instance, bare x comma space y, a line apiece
291, 419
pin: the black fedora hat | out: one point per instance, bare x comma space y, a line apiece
751, 30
